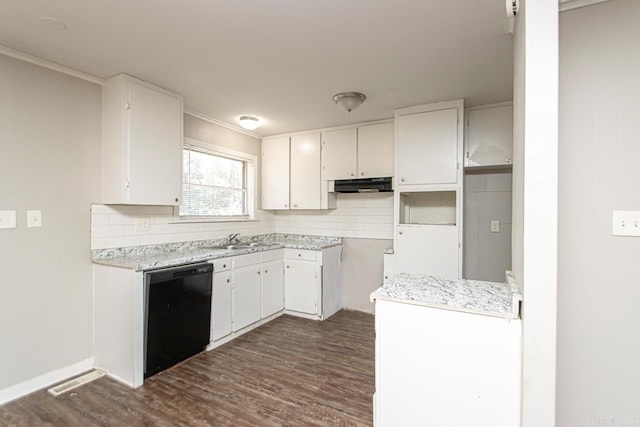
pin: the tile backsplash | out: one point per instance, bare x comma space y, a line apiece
114, 226
357, 216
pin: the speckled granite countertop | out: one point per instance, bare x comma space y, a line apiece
472, 296
141, 258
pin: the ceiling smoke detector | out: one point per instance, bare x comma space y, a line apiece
349, 101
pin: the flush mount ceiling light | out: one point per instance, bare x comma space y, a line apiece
249, 122
349, 101
52, 22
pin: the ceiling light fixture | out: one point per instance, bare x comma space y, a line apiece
249, 122
349, 101
52, 22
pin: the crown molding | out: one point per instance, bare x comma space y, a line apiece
574, 4
50, 65
222, 123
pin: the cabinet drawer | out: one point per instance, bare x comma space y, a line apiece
243, 260
221, 264
272, 255
302, 254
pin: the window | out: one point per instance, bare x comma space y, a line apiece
216, 182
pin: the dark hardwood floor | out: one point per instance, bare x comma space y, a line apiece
290, 371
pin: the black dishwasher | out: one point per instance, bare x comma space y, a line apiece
177, 315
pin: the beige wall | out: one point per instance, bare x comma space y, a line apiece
599, 274
362, 271
49, 160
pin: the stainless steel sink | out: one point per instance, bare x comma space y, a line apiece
233, 246
259, 245
230, 247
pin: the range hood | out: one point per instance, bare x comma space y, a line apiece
364, 185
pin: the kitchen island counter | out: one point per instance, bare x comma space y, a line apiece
472, 296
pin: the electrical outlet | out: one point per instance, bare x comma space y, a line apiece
34, 218
7, 219
626, 223
495, 226
142, 224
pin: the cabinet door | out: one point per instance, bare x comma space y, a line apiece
155, 147
300, 284
272, 287
221, 305
275, 173
305, 171
339, 154
246, 296
375, 151
427, 249
428, 147
490, 136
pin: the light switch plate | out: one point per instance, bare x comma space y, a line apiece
142, 224
495, 226
34, 218
626, 223
7, 219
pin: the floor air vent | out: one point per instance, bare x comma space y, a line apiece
76, 382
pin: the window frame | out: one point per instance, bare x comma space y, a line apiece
250, 179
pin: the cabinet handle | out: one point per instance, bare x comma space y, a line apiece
228, 280
386, 277
351, 174
508, 159
287, 266
266, 271
402, 179
285, 206
177, 200
224, 265
361, 173
400, 232
295, 206
299, 255
258, 273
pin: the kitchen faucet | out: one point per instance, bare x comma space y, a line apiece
231, 237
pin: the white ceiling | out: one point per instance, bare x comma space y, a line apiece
281, 60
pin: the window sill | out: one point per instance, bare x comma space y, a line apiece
204, 220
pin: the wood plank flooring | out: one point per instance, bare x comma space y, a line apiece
291, 371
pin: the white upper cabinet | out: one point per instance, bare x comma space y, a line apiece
305, 172
339, 148
363, 152
429, 144
275, 173
489, 136
141, 143
375, 151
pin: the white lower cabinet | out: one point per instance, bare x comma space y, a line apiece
272, 287
301, 286
313, 282
246, 296
221, 305
247, 289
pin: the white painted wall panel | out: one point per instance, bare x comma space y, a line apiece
598, 292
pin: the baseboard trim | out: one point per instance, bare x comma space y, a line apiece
45, 380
